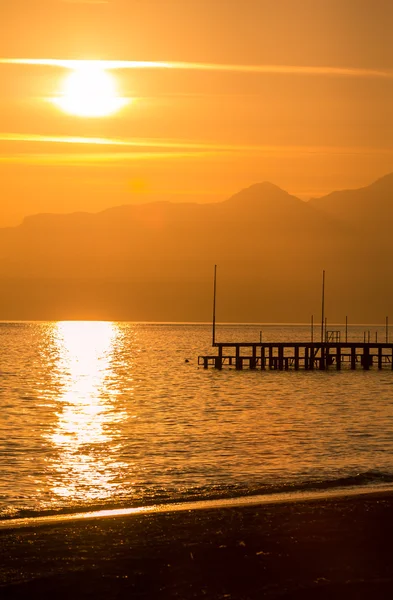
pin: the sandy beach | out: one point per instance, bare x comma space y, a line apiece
327, 548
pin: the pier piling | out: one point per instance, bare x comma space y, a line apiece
300, 355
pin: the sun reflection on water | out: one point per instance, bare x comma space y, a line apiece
88, 418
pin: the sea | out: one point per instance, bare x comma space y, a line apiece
118, 415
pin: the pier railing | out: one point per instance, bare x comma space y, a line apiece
300, 355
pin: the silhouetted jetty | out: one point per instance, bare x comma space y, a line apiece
330, 352
300, 355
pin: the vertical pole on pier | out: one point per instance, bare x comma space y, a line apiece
214, 305
325, 329
323, 304
346, 329
387, 329
312, 329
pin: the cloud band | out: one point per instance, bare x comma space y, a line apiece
303, 70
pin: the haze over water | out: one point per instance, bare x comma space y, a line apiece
104, 415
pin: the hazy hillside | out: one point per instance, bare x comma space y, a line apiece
369, 208
155, 261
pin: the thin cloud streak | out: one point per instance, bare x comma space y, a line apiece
84, 1
58, 139
91, 159
185, 145
192, 66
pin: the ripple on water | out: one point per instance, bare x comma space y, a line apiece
103, 414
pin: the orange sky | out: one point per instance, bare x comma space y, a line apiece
298, 92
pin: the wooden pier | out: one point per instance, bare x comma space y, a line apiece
300, 355
329, 353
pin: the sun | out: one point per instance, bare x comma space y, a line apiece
90, 91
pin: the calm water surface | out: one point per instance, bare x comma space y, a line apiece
103, 415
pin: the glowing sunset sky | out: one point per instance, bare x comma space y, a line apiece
201, 98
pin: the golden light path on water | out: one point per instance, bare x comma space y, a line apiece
103, 416
87, 416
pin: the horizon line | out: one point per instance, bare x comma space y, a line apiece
207, 323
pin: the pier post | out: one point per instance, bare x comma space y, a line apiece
253, 359
353, 358
218, 360
366, 358
270, 357
338, 358
220, 353
312, 357
322, 362
296, 358
280, 358
239, 361
263, 359
327, 356
298, 355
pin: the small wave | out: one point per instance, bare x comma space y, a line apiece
217, 492
358, 479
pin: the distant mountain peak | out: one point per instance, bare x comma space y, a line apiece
263, 187
261, 194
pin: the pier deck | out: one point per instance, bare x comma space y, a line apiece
300, 355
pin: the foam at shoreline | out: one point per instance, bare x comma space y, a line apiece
277, 498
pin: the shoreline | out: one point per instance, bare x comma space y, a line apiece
216, 503
328, 547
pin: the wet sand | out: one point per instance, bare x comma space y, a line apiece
316, 549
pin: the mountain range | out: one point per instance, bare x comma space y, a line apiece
155, 261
